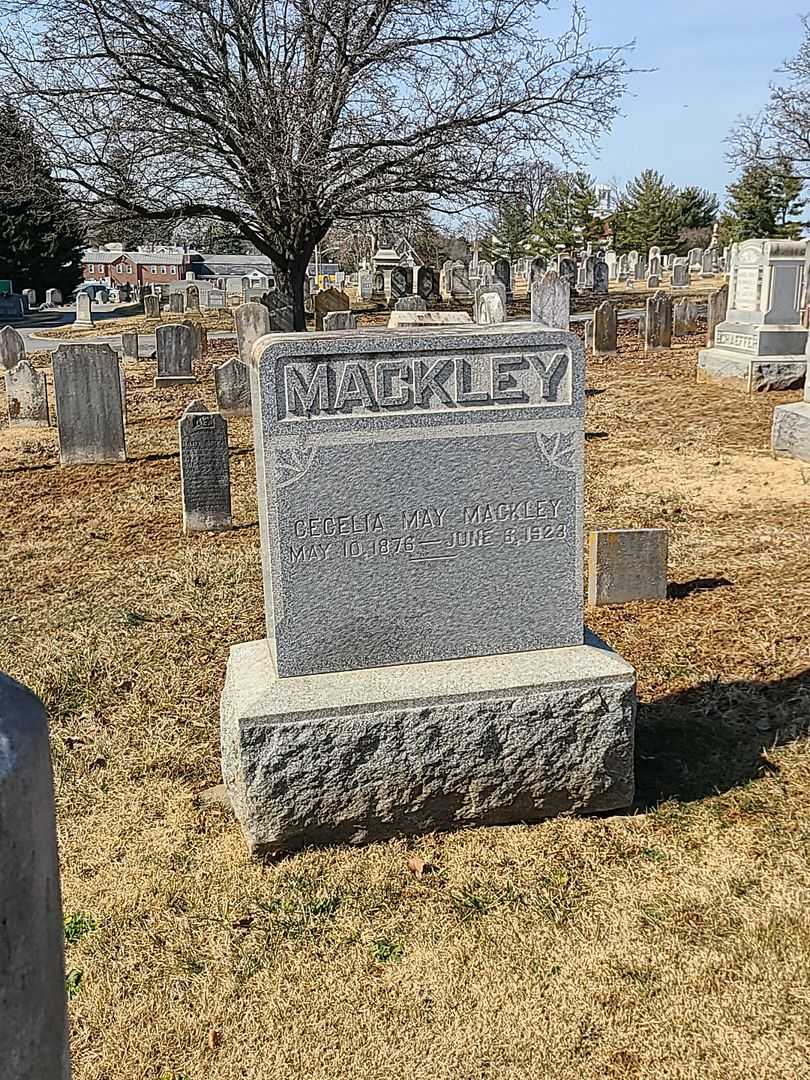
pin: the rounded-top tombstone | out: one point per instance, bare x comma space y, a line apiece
426, 282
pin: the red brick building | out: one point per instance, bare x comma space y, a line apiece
114, 268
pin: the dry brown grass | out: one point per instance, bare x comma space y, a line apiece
672, 943
219, 319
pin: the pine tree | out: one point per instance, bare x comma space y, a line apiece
751, 206
511, 232
648, 214
566, 217
697, 208
788, 201
40, 236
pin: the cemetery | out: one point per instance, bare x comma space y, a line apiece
405, 651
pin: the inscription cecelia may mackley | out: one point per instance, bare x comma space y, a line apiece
373, 384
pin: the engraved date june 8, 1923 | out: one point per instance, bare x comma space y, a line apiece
427, 534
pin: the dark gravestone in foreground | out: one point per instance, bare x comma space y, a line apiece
204, 472
88, 384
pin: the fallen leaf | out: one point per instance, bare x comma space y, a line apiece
214, 1038
418, 867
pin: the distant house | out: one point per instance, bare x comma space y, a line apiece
113, 268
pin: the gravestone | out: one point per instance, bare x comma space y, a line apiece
329, 300
251, 322
707, 264
378, 286
399, 320
716, 309
84, 310
653, 281
761, 343
192, 297
654, 266
695, 259
30, 297
232, 384
176, 349
790, 428
625, 565
459, 281
503, 274
486, 272
200, 335
551, 301
605, 329
33, 1011
339, 320
411, 303
175, 303
129, 346
421, 517
365, 284
658, 327
87, 383
537, 268
282, 317
582, 278
612, 262
588, 267
12, 347
27, 396
215, 299
684, 317
53, 297
680, 276
151, 307
490, 304
399, 284
427, 285
601, 276
205, 478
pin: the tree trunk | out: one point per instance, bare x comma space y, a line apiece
290, 281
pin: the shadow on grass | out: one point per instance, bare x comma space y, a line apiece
711, 738
680, 590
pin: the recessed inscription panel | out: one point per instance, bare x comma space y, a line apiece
373, 385
421, 495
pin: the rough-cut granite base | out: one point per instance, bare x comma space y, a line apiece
364, 755
751, 373
790, 433
173, 380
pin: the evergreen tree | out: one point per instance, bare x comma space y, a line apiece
764, 203
566, 216
511, 232
648, 214
697, 208
40, 236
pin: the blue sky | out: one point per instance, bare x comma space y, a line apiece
714, 61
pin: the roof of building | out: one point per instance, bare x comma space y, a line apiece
166, 258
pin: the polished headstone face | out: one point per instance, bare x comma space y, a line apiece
420, 495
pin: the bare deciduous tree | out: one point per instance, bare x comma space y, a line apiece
282, 117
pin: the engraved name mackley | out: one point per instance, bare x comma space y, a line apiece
337, 387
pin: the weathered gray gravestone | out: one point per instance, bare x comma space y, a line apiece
403, 478
84, 310
280, 307
626, 565
399, 284
33, 1011
192, 297
27, 396
537, 268
12, 347
568, 272
339, 320
490, 304
87, 384
129, 346
329, 300
204, 472
551, 301
684, 317
251, 321
232, 383
790, 429
716, 309
53, 296
411, 303
176, 349
653, 281
176, 303
605, 329
200, 335
151, 307
601, 277
503, 274
680, 276
215, 299
427, 283
658, 328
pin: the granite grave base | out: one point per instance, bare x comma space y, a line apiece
751, 373
173, 380
358, 756
790, 434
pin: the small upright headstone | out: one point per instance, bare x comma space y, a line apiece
27, 396
601, 277
12, 347
653, 281
537, 268
176, 349
503, 274
605, 329
232, 383
427, 285
399, 284
626, 565
176, 303
490, 304
278, 303
204, 471
193, 298
716, 310
53, 297
339, 320
30, 296
411, 303
684, 317
658, 330
87, 383
551, 301
129, 346
680, 276
84, 310
215, 299
329, 300
151, 307
251, 322
200, 335
707, 267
